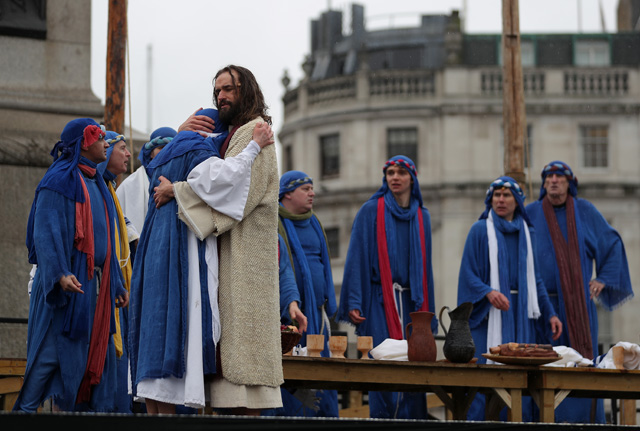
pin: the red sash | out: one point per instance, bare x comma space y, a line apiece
391, 313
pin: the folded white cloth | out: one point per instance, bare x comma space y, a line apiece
631, 357
570, 358
391, 350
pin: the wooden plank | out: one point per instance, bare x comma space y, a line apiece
589, 380
10, 384
395, 375
9, 400
12, 367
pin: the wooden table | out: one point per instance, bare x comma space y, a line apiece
457, 384
550, 385
454, 384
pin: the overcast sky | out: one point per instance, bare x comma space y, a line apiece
192, 39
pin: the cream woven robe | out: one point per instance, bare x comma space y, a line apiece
248, 274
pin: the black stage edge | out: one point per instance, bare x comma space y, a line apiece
142, 422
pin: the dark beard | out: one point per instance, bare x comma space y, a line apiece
229, 114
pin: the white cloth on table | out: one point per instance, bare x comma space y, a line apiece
570, 358
391, 350
631, 359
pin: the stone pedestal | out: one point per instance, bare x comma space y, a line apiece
44, 83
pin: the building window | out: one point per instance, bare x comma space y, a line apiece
330, 155
595, 146
403, 141
527, 146
592, 53
288, 158
527, 53
333, 241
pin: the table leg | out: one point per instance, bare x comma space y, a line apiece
493, 404
515, 412
459, 401
462, 399
627, 412
547, 405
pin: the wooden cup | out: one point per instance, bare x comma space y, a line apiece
365, 344
338, 345
315, 345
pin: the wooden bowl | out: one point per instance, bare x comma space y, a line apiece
289, 340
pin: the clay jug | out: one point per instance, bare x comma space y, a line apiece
421, 345
458, 343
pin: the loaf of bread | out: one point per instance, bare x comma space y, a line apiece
524, 350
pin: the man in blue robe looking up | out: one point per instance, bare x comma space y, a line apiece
388, 273
70, 236
133, 192
498, 275
116, 164
572, 236
307, 249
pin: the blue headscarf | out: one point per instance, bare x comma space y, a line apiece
159, 138
291, 180
112, 138
186, 141
62, 175
558, 167
219, 126
407, 163
511, 184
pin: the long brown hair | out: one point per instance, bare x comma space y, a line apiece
250, 101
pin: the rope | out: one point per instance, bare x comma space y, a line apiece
129, 91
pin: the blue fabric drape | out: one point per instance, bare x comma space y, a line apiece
158, 304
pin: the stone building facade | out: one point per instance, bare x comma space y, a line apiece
434, 94
44, 83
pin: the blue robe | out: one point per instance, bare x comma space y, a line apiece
599, 243
362, 290
474, 283
60, 322
288, 287
158, 303
315, 274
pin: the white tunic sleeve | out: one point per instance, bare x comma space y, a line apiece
223, 184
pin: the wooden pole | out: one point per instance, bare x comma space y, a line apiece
513, 108
116, 51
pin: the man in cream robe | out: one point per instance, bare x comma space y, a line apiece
251, 357
250, 348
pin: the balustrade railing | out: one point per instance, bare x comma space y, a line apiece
533, 82
333, 89
405, 84
596, 83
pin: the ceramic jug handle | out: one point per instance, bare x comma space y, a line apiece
406, 330
440, 319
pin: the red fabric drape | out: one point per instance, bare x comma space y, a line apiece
570, 269
390, 310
